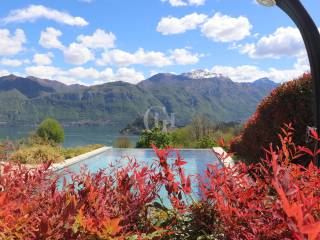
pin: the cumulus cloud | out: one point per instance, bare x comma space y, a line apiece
197, 2
46, 72
172, 25
35, 12
99, 39
43, 59
3, 72
123, 58
11, 62
77, 74
128, 75
219, 28
148, 58
224, 28
50, 38
285, 41
180, 3
107, 75
84, 73
77, 54
249, 73
11, 44
184, 57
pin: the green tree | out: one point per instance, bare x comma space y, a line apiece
155, 136
51, 130
206, 142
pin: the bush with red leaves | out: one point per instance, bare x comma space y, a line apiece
91, 206
290, 102
110, 204
274, 199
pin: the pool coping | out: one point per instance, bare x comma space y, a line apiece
228, 162
77, 159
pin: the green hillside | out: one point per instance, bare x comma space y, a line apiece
30, 100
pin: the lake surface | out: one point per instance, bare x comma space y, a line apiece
74, 136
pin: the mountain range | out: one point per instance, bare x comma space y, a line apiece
28, 100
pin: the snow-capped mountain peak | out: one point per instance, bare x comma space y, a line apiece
200, 74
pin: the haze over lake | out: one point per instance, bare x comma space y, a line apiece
74, 136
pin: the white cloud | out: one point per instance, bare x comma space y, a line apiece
180, 3
43, 59
78, 74
172, 25
151, 58
197, 2
184, 57
11, 62
147, 58
50, 38
128, 75
77, 54
107, 75
285, 41
11, 44
175, 3
249, 73
46, 72
99, 39
52, 73
123, 58
3, 73
224, 28
116, 56
84, 73
35, 12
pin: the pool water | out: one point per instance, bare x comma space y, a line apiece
197, 159
197, 162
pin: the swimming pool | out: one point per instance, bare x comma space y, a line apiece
197, 162
197, 159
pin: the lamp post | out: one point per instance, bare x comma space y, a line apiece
311, 37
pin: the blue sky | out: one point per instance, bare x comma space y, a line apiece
97, 41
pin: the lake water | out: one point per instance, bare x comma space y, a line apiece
74, 136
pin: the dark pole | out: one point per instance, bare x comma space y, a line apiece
311, 38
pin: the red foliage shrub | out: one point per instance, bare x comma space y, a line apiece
111, 204
274, 199
176, 183
6, 147
91, 206
290, 102
271, 200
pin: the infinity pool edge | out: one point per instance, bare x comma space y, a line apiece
77, 159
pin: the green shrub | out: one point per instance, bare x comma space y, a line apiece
37, 154
51, 130
289, 103
76, 151
206, 142
204, 137
123, 142
182, 138
155, 136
